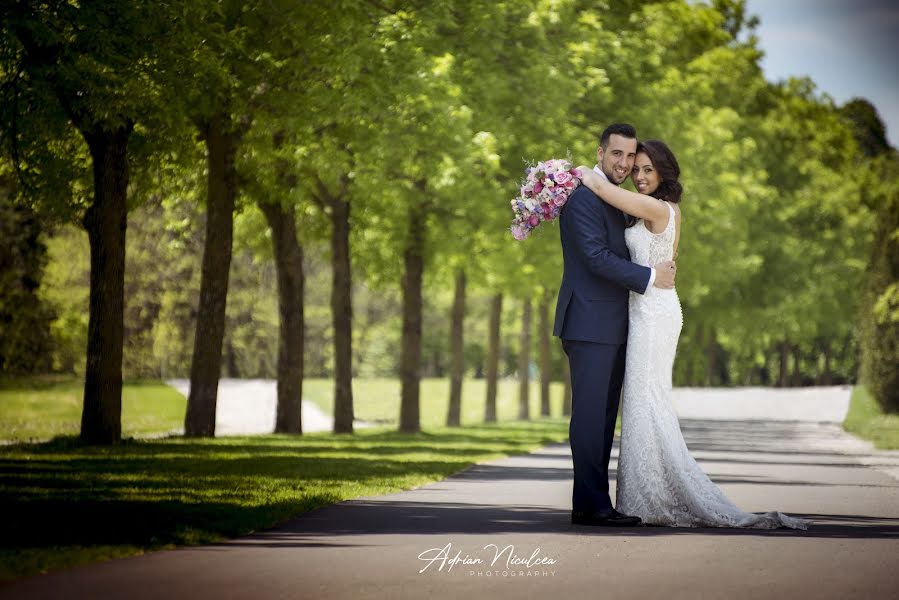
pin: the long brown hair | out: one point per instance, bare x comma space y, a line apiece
665, 163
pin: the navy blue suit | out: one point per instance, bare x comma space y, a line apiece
592, 320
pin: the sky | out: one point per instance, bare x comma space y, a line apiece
849, 48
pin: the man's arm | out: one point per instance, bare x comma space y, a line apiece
583, 214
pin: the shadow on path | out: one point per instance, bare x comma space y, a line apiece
356, 519
491, 498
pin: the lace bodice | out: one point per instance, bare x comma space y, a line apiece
648, 248
658, 479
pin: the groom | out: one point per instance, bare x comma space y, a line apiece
592, 320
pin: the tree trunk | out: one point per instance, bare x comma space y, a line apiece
710, 357
524, 362
337, 207
291, 284
566, 397
342, 314
457, 368
797, 366
782, 373
827, 377
221, 145
766, 376
496, 310
410, 360
106, 223
545, 375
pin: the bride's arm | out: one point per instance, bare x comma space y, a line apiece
638, 205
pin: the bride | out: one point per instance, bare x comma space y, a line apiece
658, 480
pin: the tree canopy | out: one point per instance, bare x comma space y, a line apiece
391, 137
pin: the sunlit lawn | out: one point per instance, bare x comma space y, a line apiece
39, 408
378, 400
866, 419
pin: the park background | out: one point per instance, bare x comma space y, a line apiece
318, 193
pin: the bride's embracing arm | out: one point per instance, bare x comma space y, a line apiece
637, 205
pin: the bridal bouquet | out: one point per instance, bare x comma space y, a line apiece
543, 194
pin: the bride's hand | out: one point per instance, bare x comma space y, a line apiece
587, 174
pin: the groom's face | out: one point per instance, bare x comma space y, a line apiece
617, 159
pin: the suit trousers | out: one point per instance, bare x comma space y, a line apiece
597, 373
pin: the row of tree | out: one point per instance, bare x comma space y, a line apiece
395, 131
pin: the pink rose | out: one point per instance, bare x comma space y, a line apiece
559, 200
571, 184
562, 177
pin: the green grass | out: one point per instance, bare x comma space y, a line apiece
40, 408
866, 420
378, 400
63, 504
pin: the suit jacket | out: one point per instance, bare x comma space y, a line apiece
598, 272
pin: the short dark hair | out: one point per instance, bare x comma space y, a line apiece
622, 129
662, 158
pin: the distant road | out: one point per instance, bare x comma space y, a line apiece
247, 406
809, 404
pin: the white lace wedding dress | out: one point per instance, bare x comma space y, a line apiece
658, 480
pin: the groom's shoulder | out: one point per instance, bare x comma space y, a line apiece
582, 196
581, 192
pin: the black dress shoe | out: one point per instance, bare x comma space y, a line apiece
611, 519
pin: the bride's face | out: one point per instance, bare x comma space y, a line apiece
645, 177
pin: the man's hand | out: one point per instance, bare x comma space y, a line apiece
665, 272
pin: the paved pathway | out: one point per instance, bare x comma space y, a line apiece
381, 547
